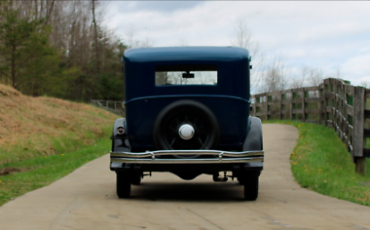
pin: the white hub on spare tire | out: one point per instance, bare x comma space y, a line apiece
186, 131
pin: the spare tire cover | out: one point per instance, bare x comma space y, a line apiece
189, 113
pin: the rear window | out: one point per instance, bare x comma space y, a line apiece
186, 75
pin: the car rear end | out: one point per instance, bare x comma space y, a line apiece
187, 112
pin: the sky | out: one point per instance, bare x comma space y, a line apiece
332, 36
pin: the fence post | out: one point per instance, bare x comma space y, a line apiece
303, 105
359, 140
281, 105
326, 99
253, 105
343, 111
267, 106
321, 103
291, 105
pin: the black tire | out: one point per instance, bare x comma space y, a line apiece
254, 141
251, 184
136, 179
168, 121
123, 184
215, 177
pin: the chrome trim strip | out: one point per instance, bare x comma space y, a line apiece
187, 152
219, 157
187, 161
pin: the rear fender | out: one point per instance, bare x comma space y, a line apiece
254, 139
253, 142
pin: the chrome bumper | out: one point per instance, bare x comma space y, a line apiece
213, 157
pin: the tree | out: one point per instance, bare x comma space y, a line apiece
59, 48
300, 80
13, 33
315, 77
365, 84
243, 38
25, 50
95, 37
309, 77
40, 62
274, 77
133, 42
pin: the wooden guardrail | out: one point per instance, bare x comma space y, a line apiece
112, 106
334, 103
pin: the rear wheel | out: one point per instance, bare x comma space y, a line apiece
250, 180
123, 184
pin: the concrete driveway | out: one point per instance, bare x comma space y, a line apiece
86, 199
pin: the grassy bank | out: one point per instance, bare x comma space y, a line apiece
40, 171
320, 162
42, 139
43, 126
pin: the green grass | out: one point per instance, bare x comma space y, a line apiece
320, 162
33, 147
40, 171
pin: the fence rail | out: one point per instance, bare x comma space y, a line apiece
116, 107
334, 103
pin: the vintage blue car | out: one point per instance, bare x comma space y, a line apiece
187, 112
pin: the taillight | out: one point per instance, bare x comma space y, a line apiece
120, 130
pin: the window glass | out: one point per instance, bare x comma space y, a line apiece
186, 75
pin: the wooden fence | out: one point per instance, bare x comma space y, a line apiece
335, 103
112, 106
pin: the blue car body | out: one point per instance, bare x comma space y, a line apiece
187, 112
229, 99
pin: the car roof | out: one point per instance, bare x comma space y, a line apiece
193, 53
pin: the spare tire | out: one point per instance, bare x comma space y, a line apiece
186, 124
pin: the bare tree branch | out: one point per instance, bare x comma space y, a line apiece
243, 38
315, 77
49, 11
274, 78
299, 81
365, 84
96, 38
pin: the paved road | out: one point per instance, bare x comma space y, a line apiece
86, 199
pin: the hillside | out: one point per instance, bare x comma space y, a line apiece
39, 126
